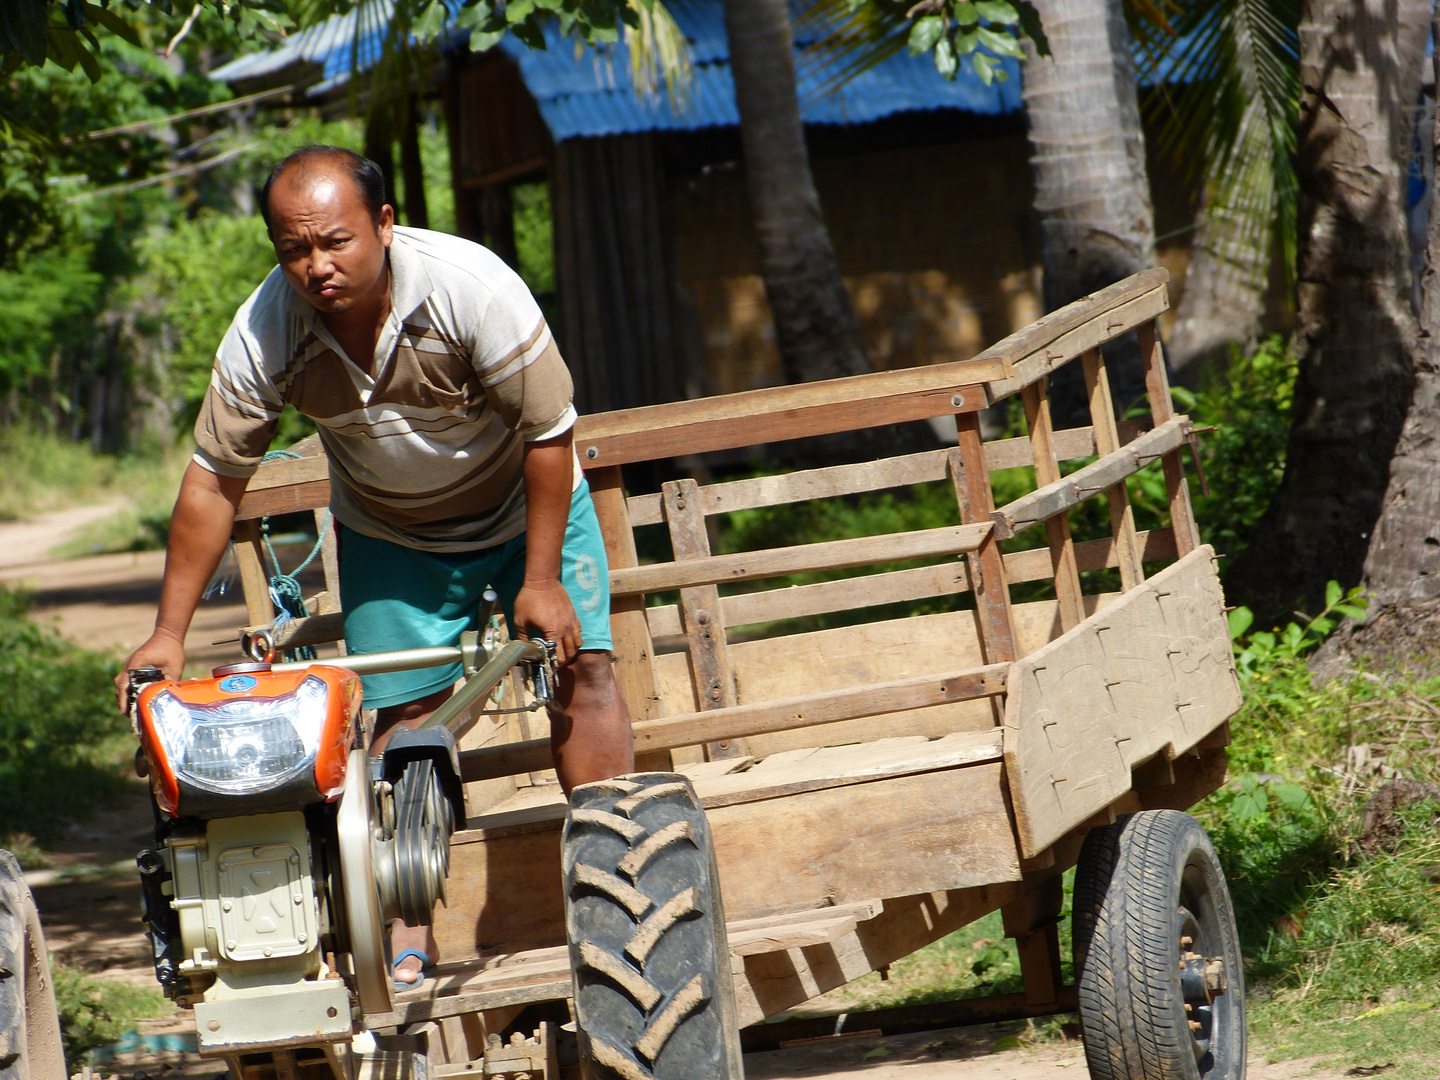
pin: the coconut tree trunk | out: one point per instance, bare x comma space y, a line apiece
1357, 334
815, 327
1402, 566
1087, 154
1224, 296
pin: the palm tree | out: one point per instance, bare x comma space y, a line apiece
815, 327
1226, 90
1357, 335
1087, 156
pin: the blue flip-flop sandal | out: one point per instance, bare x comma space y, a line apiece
426, 968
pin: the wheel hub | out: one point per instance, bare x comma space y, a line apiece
412, 859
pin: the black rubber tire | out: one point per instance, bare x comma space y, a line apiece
1140, 885
30, 1046
654, 997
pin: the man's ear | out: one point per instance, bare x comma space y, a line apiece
385, 227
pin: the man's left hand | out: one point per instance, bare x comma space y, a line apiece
543, 610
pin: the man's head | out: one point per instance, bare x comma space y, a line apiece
325, 210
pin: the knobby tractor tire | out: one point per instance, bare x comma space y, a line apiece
30, 1047
654, 997
1151, 916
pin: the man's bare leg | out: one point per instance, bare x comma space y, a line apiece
589, 739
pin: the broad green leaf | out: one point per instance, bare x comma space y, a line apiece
530, 34
965, 42
984, 67
1350, 611
1240, 621
1030, 25
925, 33
1000, 43
997, 11
966, 13
517, 11
1333, 593
946, 62
112, 22
483, 40
1292, 796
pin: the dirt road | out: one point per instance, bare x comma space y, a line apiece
89, 900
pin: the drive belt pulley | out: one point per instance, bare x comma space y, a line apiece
411, 864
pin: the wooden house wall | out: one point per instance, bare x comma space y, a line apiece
935, 245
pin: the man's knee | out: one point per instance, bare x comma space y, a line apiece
592, 668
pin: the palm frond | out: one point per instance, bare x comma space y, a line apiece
659, 51
1226, 107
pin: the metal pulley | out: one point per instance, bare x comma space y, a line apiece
411, 849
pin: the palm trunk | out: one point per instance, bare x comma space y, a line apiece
815, 327
1402, 567
1356, 334
1087, 153
1224, 296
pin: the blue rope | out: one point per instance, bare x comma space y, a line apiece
285, 588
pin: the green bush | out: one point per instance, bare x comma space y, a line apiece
60, 735
97, 1012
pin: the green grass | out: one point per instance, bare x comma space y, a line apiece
96, 1012
61, 739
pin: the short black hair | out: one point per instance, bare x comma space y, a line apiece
367, 176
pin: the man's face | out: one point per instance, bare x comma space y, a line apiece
330, 249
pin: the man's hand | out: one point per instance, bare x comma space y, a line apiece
543, 610
163, 651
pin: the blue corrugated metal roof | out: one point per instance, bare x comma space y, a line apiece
589, 92
592, 93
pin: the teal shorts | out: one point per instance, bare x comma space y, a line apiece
395, 597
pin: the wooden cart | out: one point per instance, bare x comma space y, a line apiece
874, 787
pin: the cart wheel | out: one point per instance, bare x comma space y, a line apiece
1157, 956
30, 1046
654, 997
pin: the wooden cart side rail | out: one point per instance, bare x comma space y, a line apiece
896, 586
859, 401
925, 467
1069, 491
740, 721
801, 558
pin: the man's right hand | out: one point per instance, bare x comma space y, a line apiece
163, 651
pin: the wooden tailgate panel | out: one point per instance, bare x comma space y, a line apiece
1150, 673
920, 833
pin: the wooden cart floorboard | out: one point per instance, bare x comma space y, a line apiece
536, 975
726, 783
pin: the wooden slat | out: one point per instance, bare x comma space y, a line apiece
1157, 388
802, 558
620, 438
823, 708
629, 631
254, 581
976, 498
700, 609
283, 500
924, 467
1057, 527
897, 586
1052, 500
1107, 441
830, 707
1128, 308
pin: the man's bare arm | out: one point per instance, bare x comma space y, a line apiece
543, 607
199, 530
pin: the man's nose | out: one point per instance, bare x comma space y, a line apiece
321, 266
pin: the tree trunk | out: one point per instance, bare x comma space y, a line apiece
815, 327
1356, 329
1087, 153
1224, 297
412, 167
1402, 567
380, 147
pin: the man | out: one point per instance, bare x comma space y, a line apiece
445, 410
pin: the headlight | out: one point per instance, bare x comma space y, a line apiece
245, 745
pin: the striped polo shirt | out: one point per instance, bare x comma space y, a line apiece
428, 452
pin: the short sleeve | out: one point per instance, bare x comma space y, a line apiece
519, 364
240, 411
